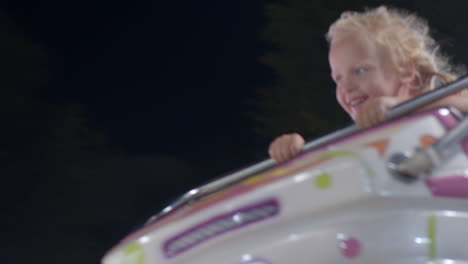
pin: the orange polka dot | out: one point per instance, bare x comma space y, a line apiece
426, 140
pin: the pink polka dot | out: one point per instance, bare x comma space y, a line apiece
350, 247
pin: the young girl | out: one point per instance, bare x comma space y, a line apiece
378, 59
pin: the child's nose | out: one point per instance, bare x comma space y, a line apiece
348, 85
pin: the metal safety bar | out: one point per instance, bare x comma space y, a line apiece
410, 165
226, 181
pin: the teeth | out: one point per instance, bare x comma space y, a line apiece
357, 101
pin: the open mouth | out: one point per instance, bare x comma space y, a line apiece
357, 101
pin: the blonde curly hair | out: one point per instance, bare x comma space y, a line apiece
406, 39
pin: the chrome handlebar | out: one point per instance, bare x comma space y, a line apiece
226, 181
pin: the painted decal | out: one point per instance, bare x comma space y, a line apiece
133, 254
350, 247
446, 117
464, 144
323, 181
431, 231
219, 225
451, 186
426, 140
380, 146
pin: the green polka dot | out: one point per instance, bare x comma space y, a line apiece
431, 233
133, 254
323, 181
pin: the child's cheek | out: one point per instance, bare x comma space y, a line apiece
340, 100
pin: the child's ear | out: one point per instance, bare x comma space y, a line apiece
408, 74
409, 78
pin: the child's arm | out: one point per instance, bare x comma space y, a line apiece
374, 110
458, 100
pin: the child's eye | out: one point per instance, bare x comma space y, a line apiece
360, 71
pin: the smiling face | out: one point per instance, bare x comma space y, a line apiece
361, 70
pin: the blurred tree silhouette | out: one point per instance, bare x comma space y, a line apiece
24, 72
50, 163
68, 197
447, 27
302, 96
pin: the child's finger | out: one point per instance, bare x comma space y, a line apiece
273, 150
276, 149
280, 155
293, 150
297, 144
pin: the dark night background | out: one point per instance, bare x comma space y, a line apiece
111, 109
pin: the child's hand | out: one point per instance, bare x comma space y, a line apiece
374, 110
286, 147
